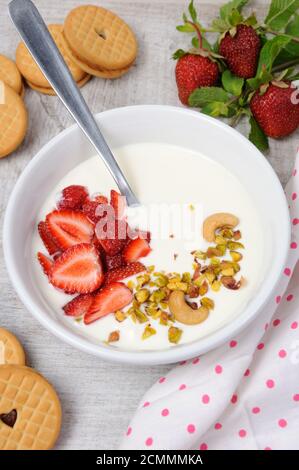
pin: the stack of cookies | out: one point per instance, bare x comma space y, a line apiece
30, 411
93, 41
13, 114
32, 73
99, 41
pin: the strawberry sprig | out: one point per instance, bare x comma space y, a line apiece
257, 63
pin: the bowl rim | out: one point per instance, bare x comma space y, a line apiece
147, 357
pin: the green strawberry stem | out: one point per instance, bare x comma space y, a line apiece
235, 120
286, 65
198, 32
276, 33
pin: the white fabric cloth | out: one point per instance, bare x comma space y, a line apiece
244, 394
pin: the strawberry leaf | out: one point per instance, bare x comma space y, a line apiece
256, 82
215, 109
293, 26
192, 11
291, 51
226, 10
251, 20
185, 28
231, 83
270, 51
205, 95
280, 12
220, 25
257, 136
178, 54
235, 18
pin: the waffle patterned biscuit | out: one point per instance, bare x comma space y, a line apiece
30, 411
50, 91
30, 70
95, 72
11, 351
99, 38
13, 120
9, 74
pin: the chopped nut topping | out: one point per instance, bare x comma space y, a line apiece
178, 285
237, 235
174, 334
143, 279
235, 245
193, 291
230, 283
148, 332
207, 302
236, 256
113, 337
157, 295
142, 295
193, 305
120, 316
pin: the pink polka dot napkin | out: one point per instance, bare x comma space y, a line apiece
244, 394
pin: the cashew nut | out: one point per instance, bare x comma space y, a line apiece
183, 312
215, 221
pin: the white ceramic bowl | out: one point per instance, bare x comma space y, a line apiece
177, 126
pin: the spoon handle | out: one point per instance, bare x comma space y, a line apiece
38, 40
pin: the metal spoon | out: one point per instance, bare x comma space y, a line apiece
38, 40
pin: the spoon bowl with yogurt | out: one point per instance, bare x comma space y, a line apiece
171, 156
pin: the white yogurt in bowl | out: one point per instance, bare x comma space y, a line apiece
171, 154
166, 174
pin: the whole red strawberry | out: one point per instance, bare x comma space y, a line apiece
194, 71
241, 51
275, 110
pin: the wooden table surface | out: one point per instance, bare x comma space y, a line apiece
98, 399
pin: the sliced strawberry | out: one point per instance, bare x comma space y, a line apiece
112, 247
100, 199
119, 204
79, 306
72, 197
45, 262
112, 297
112, 236
118, 274
69, 228
136, 249
140, 234
89, 209
99, 247
78, 269
47, 238
113, 262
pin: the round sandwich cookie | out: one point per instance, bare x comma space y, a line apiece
11, 350
50, 91
99, 38
101, 73
30, 70
22, 92
30, 411
13, 120
10, 74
